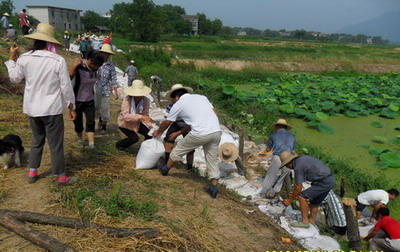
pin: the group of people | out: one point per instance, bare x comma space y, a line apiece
9, 29
49, 89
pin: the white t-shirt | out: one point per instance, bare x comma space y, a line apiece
373, 197
196, 111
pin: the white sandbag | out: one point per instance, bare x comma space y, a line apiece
149, 153
228, 138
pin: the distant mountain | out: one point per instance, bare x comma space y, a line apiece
386, 26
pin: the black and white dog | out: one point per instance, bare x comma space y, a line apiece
11, 151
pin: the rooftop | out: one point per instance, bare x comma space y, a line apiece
47, 6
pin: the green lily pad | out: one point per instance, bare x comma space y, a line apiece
380, 139
321, 116
325, 128
375, 151
351, 114
392, 158
228, 90
386, 112
377, 124
393, 107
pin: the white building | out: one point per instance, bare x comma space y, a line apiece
60, 18
194, 20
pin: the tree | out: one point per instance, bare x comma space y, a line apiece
146, 22
121, 19
91, 19
7, 6
172, 21
208, 27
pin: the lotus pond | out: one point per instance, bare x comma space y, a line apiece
354, 117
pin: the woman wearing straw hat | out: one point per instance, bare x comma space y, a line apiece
134, 116
48, 91
307, 168
282, 140
106, 85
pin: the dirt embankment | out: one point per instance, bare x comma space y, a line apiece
293, 66
188, 218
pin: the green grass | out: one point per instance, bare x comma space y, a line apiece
305, 51
89, 196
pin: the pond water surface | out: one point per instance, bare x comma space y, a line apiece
350, 134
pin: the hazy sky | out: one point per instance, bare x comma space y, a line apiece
319, 15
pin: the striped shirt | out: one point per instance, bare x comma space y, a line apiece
333, 209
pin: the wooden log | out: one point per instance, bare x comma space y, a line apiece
76, 223
241, 142
32, 235
342, 187
353, 233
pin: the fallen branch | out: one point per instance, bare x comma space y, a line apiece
32, 235
76, 223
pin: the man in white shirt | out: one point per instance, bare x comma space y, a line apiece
376, 199
196, 111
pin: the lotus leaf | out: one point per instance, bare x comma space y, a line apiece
365, 146
382, 165
351, 114
392, 158
386, 112
377, 124
375, 151
380, 139
321, 116
228, 90
393, 107
287, 108
325, 128
394, 141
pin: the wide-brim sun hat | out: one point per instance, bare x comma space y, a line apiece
281, 122
6, 14
228, 152
286, 157
176, 87
106, 48
132, 62
137, 89
10, 26
44, 32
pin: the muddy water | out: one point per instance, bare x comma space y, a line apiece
350, 134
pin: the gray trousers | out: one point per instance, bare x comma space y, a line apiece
210, 144
52, 128
131, 78
382, 243
276, 177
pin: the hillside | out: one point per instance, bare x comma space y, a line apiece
386, 26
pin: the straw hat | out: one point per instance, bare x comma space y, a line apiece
106, 48
281, 122
176, 87
132, 62
66, 32
10, 26
6, 14
286, 158
228, 152
44, 32
137, 89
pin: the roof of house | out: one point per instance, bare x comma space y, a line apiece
190, 16
47, 6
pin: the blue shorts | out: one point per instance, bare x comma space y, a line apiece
319, 190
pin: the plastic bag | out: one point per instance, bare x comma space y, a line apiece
149, 153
